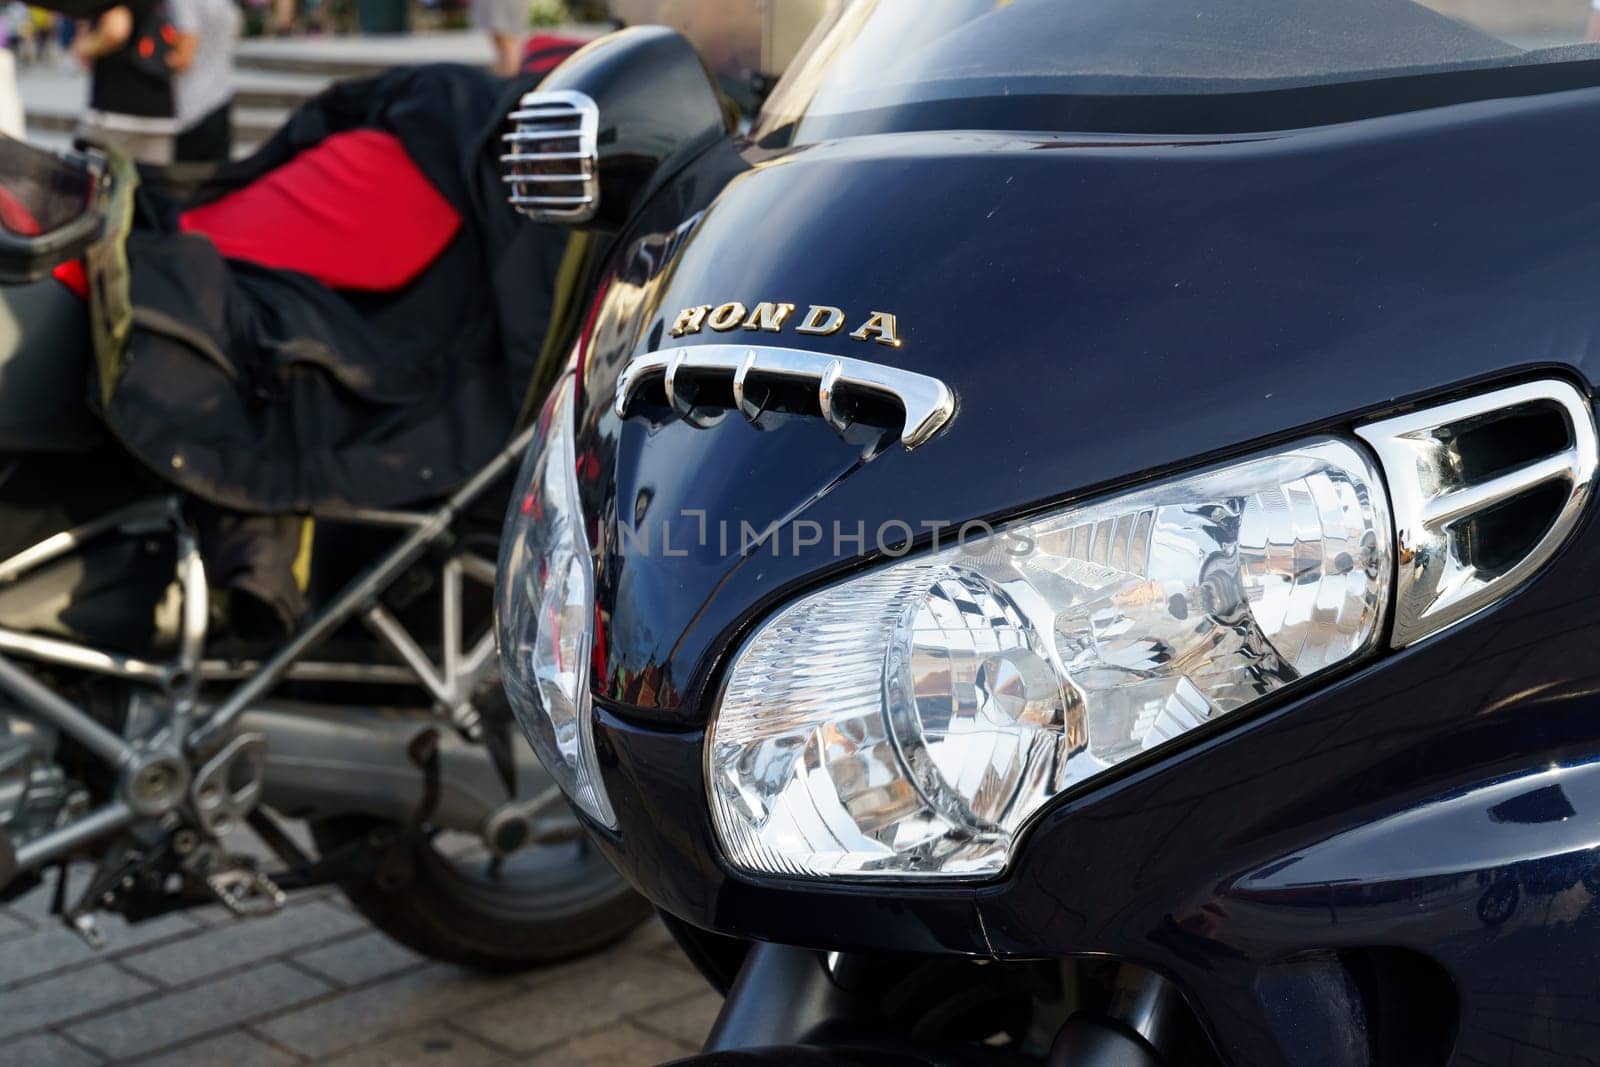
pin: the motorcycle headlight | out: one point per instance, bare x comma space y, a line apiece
908, 722
545, 611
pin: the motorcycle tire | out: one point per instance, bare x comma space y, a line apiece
542, 905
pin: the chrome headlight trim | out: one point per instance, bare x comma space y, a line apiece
1431, 498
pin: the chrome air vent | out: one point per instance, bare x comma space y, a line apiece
552, 166
705, 381
1484, 491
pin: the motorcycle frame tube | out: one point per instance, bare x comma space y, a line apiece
180, 678
148, 516
359, 594
107, 819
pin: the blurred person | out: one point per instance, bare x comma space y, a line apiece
506, 22
1594, 22
42, 36
129, 52
203, 90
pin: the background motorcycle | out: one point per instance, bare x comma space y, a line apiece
140, 725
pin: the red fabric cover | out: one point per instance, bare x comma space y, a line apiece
353, 211
545, 51
72, 275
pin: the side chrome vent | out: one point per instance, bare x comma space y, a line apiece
552, 162
702, 383
1484, 491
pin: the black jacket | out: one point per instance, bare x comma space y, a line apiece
264, 390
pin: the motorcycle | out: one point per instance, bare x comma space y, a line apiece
147, 715
1071, 539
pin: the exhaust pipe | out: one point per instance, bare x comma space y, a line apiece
327, 760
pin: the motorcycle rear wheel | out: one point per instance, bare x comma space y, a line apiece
540, 905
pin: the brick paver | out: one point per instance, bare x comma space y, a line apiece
315, 984
580, 999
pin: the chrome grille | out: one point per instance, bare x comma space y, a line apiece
1458, 472
707, 380
551, 163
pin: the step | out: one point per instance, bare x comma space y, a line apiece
270, 89
249, 124
53, 102
61, 141
350, 55
55, 140
344, 57
53, 92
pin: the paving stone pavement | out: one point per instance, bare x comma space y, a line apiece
316, 984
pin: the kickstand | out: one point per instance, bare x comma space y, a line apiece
79, 920
58, 898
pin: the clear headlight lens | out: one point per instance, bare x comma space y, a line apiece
544, 604
908, 722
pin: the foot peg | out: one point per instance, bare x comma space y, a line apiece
246, 892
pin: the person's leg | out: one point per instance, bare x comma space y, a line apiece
507, 53
208, 141
222, 134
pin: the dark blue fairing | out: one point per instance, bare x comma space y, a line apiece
1107, 310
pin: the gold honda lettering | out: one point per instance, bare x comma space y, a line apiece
772, 316
690, 320
822, 320
727, 317
769, 316
879, 327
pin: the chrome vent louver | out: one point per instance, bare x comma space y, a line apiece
707, 380
552, 164
1484, 491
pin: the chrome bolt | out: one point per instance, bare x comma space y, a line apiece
154, 781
